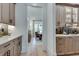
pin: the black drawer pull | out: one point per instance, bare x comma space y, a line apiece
7, 45
10, 20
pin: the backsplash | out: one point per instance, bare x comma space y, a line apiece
67, 30
11, 28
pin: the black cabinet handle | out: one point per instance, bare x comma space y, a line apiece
7, 45
10, 20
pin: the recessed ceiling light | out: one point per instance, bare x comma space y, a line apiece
34, 4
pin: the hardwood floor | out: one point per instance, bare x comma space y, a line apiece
35, 49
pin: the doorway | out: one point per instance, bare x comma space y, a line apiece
38, 28
35, 30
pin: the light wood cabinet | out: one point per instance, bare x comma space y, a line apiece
6, 49
11, 48
67, 45
65, 49
7, 13
17, 46
76, 44
12, 14
60, 16
59, 46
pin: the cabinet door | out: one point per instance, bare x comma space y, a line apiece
5, 52
1, 50
76, 44
60, 46
65, 45
69, 45
17, 46
60, 16
8, 49
12, 14
5, 13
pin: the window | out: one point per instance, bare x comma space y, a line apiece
38, 26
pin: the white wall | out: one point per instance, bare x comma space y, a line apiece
49, 38
51, 24
35, 12
21, 24
44, 37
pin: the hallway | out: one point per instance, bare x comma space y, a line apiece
35, 49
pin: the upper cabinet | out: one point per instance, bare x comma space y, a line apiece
12, 14
60, 18
67, 16
71, 16
7, 13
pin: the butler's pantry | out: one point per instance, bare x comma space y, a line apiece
21, 29
27, 29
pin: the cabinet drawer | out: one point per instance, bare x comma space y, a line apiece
6, 45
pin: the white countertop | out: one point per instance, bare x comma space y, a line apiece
7, 38
68, 35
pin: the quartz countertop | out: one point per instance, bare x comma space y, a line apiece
7, 38
66, 35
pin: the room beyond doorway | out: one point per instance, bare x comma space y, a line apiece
35, 27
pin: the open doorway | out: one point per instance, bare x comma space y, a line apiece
35, 21
35, 30
38, 28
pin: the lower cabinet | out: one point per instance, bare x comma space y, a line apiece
11, 48
17, 46
60, 46
67, 45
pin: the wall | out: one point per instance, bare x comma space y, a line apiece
34, 12
49, 38
51, 28
44, 37
21, 23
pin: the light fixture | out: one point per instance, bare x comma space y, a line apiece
34, 4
